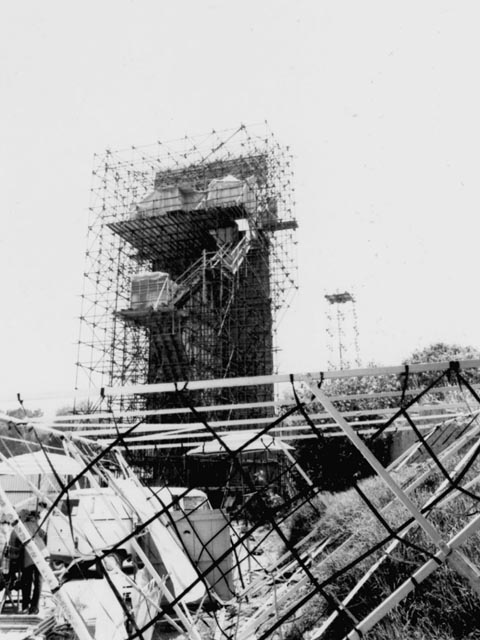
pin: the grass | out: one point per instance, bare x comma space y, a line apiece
444, 607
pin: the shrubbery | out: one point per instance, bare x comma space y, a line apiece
443, 607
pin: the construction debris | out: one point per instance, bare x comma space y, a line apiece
127, 560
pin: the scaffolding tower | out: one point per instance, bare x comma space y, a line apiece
342, 331
189, 261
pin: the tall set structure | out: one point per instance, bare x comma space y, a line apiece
342, 331
190, 260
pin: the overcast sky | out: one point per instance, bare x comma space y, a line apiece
378, 101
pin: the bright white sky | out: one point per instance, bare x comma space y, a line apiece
378, 100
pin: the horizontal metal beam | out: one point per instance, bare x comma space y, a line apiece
169, 387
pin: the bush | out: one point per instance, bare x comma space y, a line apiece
443, 607
334, 463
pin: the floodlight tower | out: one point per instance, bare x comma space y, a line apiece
342, 330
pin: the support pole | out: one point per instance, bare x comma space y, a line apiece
179, 608
46, 572
456, 559
391, 547
410, 584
